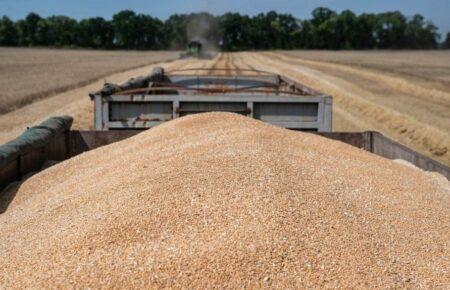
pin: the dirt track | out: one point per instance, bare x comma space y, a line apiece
363, 99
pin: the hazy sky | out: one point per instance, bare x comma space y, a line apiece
436, 10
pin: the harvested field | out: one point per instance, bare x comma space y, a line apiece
77, 103
222, 200
73, 102
30, 74
373, 91
430, 68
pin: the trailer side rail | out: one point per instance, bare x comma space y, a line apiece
145, 111
71, 143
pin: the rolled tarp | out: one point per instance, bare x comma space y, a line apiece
34, 137
108, 89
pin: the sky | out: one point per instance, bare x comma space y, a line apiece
437, 11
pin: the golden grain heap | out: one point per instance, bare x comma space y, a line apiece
222, 200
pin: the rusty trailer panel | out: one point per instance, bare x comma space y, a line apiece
149, 101
146, 111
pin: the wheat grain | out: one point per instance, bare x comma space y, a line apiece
220, 200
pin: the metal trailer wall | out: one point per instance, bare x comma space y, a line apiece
374, 142
144, 111
81, 141
72, 143
299, 108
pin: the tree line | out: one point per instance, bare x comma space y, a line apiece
326, 29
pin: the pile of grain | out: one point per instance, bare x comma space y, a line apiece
219, 199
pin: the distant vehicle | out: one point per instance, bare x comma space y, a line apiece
196, 49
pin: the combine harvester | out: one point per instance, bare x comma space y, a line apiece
195, 49
124, 110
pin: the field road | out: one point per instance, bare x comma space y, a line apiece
410, 112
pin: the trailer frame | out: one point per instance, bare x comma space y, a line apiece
160, 97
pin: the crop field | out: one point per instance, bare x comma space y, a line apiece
430, 68
30, 74
404, 95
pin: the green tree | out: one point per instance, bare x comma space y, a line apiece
8, 32
446, 43
234, 31
62, 31
149, 33
346, 30
390, 30
126, 27
28, 30
420, 34
323, 28
364, 37
42, 33
289, 31
322, 14
306, 37
175, 32
95, 33
274, 31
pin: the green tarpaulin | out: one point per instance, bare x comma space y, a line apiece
34, 137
